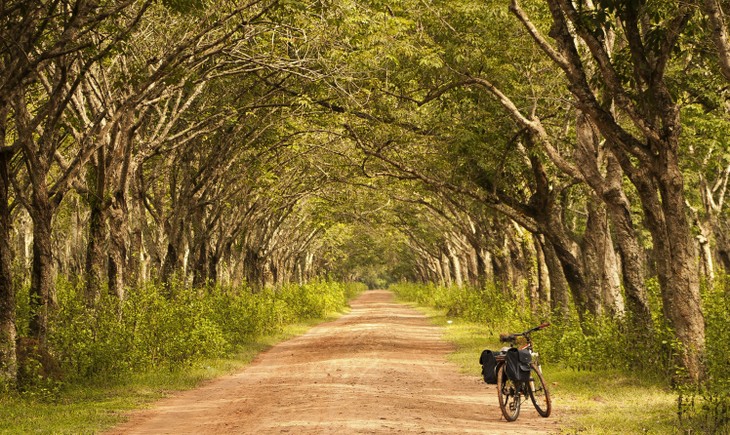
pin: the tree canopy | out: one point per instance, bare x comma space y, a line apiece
561, 151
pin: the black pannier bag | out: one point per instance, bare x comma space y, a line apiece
517, 364
489, 366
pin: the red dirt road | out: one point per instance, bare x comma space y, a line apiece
380, 369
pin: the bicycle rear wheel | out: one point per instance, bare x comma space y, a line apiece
539, 392
508, 394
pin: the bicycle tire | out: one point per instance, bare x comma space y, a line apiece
508, 394
539, 393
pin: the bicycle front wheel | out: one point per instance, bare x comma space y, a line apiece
539, 392
508, 394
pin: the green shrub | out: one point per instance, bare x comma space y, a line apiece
166, 327
488, 306
600, 342
706, 407
353, 289
609, 343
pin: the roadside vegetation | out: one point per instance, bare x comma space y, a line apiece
108, 361
609, 379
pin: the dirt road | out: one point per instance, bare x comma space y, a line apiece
380, 369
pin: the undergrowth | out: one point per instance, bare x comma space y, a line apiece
100, 362
93, 405
157, 328
607, 344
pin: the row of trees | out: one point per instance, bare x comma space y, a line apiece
151, 141
599, 129
565, 150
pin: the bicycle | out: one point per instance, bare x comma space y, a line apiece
511, 393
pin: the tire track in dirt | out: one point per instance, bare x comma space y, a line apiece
380, 369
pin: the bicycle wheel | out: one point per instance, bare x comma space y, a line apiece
508, 394
539, 392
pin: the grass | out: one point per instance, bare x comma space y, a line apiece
100, 404
585, 403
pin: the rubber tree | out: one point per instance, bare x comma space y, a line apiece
648, 153
8, 353
59, 43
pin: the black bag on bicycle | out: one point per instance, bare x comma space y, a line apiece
517, 364
489, 366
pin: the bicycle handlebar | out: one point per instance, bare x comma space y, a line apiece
506, 338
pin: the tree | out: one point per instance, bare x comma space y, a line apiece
718, 33
635, 89
8, 354
57, 44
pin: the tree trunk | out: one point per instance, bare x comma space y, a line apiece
138, 266
8, 350
629, 248
253, 264
213, 261
455, 264
593, 250
480, 266
713, 237
531, 274
521, 263
573, 274
559, 288
612, 297
650, 160
676, 264
549, 216
604, 295
543, 273
95, 249
446, 267
200, 265
716, 18
118, 242
721, 231
472, 268
173, 262
42, 270
436, 266
501, 272
675, 257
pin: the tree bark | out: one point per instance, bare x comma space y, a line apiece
118, 248
253, 264
549, 217
96, 244
42, 279
630, 251
593, 249
173, 263
597, 247
559, 288
612, 296
721, 231
446, 268
713, 9
455, 263
543, 274
676, 263
8, 349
